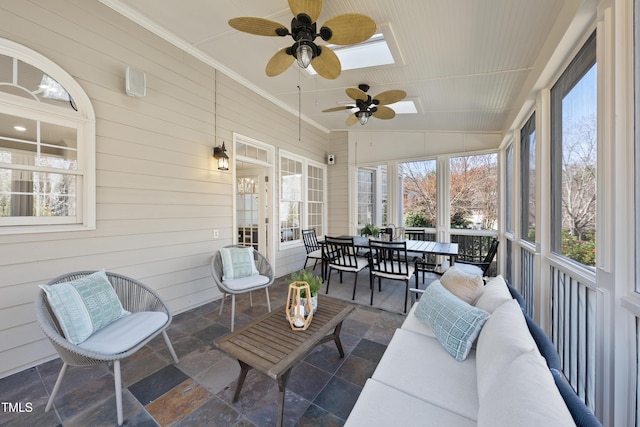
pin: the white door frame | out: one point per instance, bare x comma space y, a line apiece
268, 187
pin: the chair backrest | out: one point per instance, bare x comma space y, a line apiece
389, 258
310, 240
262, 265
341, 251
493, 249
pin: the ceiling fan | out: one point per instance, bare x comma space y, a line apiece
346, 29
368, 106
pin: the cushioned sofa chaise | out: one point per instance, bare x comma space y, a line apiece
468, 355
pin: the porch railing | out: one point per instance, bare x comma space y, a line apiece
475, 247
573, 331
527, 279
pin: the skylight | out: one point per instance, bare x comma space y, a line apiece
404, 107
380, 49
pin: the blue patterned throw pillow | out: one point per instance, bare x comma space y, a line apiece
455, 323
237, 263
84, 306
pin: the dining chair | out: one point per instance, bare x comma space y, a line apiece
149, 316
389, 260
342, 256
474, 266
261, 278
313, 248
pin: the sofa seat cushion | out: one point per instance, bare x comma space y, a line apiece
246, 283
413, 324
381, 405
421, 367
524, 395
125, 333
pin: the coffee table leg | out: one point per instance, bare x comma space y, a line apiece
282, 387
336, 338
244, 368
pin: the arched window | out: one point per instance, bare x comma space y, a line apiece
47, 146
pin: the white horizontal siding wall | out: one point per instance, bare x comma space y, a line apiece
159, 193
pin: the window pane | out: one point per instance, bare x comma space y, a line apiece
528, 189
290, 199
25, 193
31, 142
365, 197
573, 103
509, 188
419, 193
474, 192
315, 202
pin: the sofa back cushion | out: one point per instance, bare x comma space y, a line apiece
523, 394
504, 337
494, 295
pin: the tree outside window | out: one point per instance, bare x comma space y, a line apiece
419, 193
474, 192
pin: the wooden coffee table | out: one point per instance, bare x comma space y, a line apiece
270, 346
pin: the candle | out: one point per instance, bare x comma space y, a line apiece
299, 316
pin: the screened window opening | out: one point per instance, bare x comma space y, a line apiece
528, 182
474, 192
419, 198
573, 159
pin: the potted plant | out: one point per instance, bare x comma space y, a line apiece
370, 230
314, 282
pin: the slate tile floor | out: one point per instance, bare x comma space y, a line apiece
321, 391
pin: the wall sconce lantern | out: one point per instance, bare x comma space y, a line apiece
220, 153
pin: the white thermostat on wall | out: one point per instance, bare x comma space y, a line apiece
331, 159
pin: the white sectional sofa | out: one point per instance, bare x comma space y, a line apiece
502, 380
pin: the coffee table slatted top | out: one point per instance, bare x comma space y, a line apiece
269, 345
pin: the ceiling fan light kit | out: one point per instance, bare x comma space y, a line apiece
367, 106
346, 29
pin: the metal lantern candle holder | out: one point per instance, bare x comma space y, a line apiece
295, 309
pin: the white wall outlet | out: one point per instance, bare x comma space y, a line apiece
216, 234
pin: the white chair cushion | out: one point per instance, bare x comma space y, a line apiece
246, 283
125, 333
410, 270
381, 405
360, 262
469, 269
315, 254
421, 367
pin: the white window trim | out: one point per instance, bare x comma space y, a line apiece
305, 195
84, 120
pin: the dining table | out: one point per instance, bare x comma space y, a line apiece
422, 247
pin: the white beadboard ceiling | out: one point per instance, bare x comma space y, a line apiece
468, 64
